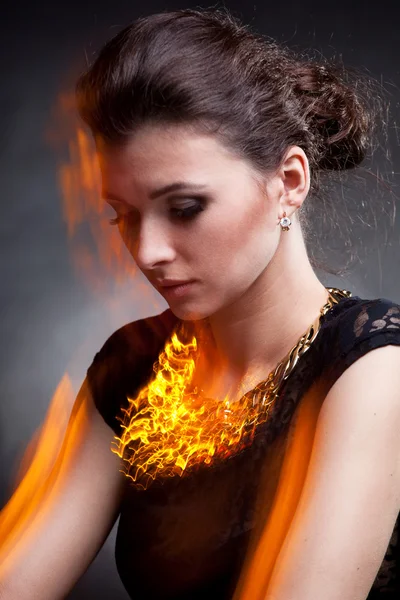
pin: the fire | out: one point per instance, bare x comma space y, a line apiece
98, 252
36, 480
170, 428
80, 184
97, 249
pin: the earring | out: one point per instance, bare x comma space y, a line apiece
285, 222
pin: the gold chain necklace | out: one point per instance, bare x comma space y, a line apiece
168, 431
266, 392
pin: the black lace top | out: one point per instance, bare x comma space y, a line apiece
186, 539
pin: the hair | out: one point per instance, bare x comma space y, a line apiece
206, 69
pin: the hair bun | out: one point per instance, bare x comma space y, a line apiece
335, 112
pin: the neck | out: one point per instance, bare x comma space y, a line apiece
250, 337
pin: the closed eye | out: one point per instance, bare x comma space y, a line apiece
187, 212
184, 213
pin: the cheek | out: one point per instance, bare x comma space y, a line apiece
240, 242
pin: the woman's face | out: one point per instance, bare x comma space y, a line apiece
188, 209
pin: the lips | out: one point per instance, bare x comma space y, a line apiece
173, 282
177, 290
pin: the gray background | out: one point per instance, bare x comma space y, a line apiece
51, 321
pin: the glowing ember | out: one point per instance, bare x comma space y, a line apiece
167, 429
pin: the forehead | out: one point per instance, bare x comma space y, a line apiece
158, 154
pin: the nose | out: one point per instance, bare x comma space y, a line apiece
150, 245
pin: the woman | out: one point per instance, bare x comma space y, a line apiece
257, 432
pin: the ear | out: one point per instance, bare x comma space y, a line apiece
294, 173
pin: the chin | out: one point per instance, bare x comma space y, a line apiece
188, 314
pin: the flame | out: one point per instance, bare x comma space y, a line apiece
170, 428
98, 253
260, 574
97, 248
80, 183
36, 477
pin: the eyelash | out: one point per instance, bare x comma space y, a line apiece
179, 213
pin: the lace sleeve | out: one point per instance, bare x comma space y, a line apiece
364, 327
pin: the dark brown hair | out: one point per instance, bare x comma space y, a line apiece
206, 69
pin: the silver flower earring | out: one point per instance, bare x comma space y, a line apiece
285, 222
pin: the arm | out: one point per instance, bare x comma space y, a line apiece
351, 495
43, 556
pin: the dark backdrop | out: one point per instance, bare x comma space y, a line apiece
51, 321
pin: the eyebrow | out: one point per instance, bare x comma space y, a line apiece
172, 187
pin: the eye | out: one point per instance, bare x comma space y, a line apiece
122, 218
115, 220
187, 212
180, 213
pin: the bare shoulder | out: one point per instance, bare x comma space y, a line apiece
351, 496
350, 499
369, 389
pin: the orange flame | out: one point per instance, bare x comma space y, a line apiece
260, 573
81, 188
36, 476
169, 427
97, 249
98, 253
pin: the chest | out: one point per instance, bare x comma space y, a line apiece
224, 384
